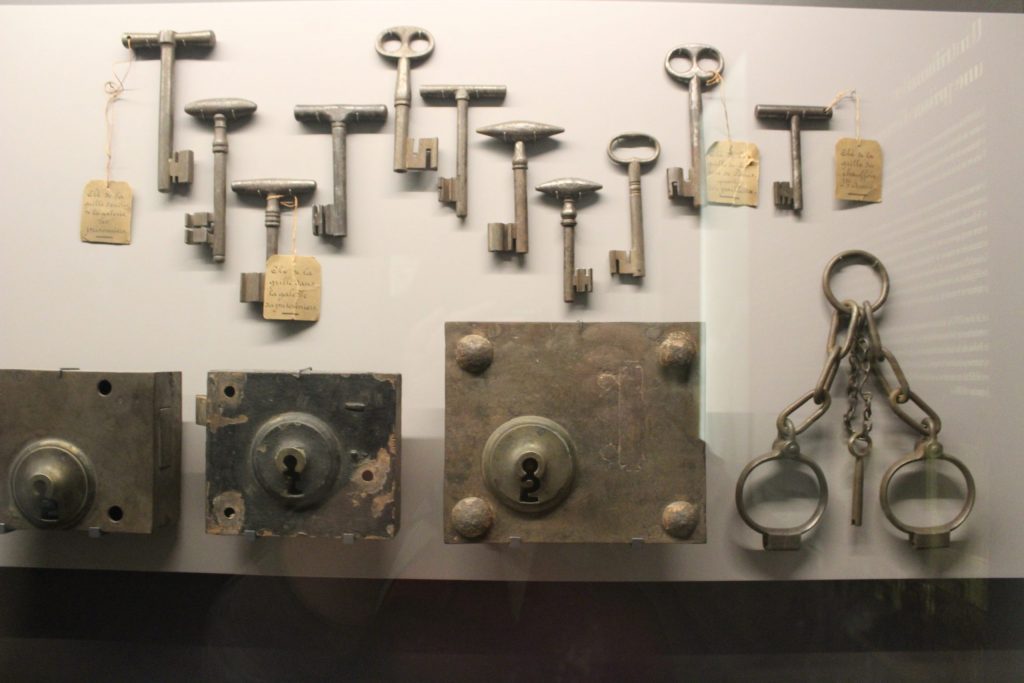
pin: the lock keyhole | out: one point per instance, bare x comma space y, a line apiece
291, 462
529, 482
49, 510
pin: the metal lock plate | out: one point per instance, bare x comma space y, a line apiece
573, 432
89, 450
302, 454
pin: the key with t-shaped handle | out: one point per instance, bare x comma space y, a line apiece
331, 220
202, 227
790, 195
172, 168
568, 191
515, 237
273, 190
690, 183
455, 190
632, 262
407, 157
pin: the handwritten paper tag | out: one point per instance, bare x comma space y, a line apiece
858, 170
107, 212
291, 288
733, 170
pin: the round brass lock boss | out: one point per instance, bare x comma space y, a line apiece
529, 463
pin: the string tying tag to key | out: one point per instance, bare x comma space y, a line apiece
858, 161
733, 168
292, 285
106, 216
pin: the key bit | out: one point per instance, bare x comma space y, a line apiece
407, 157
632, 262
331, 220
172, 168
515, 237
203, 227
790, 195
690, 182
273, 190
569, 190
455, 190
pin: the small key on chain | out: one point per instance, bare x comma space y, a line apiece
407, 158
455, 190
172, 168
202, 227
331, 220
690, 182
272, 190
569, 190
515, 237
790, 195
632, 262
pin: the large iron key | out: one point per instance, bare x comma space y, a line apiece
569, 190
407, 156
690, 183
515, 237
203, 227
273, 190
172, 168
331, 220
790, 195
455, 190
632, 262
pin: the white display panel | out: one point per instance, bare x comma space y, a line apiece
942, 92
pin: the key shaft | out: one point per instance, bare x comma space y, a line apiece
569, 190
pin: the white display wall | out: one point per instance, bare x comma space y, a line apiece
940, 91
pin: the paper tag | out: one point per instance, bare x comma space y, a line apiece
733, 170
858, 170
291, 288
107, 212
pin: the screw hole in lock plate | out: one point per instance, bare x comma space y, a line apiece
115, 513
367, 475
104, 387
229, 391
229, 513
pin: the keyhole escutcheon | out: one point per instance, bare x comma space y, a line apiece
529, 482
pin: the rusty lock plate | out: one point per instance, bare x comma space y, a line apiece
302, 454
92, 451
573, 433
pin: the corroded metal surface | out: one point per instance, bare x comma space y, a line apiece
302, 454
629, 421
89, 450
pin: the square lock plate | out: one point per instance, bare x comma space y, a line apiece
302, 454
573, 433
98, 451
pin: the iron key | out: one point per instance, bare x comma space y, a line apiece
790, 195
331, 220
632, 262
455, 190
172, 168
690, 183
406, 155
569, 191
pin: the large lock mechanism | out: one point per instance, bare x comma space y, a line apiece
573, 433
92, 451
309, 454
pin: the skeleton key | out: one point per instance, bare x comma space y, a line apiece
172, 168
690, 183
331, 220
455, 190
515, 237
569, 191
203, 227
272, 190
632, 262
790, 195
406, 155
